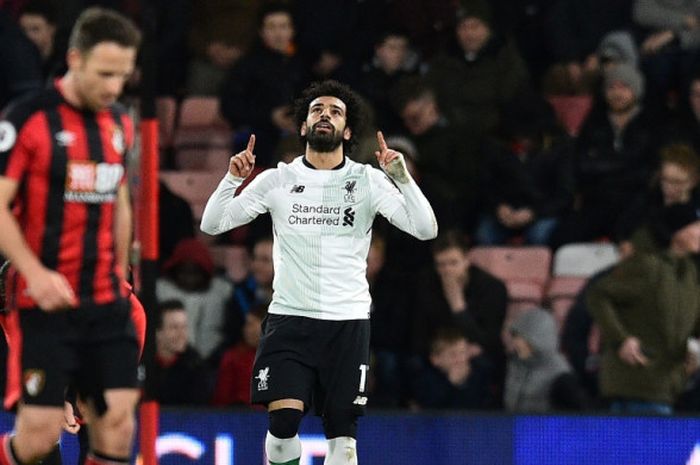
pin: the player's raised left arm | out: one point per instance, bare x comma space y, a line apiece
410, 211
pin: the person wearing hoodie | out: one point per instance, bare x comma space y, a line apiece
188, 276
538, 377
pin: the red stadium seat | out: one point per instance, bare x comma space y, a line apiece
525, 270
206, 159
194, 186
571, 110
200, 127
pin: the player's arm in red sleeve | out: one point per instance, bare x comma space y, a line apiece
49, 289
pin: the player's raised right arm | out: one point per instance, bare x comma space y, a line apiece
224, 211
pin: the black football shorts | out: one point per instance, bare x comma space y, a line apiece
320, 362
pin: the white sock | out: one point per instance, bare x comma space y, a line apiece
282, 450
341, 451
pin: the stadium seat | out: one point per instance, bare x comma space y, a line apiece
200, 126
584, 259
571, 110
194, 186
204, 159
561, 294
525, 270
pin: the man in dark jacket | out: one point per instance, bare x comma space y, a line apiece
614, 157
647, 308
258, 91
20, 62
459, 294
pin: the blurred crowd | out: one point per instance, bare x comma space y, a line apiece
525, 122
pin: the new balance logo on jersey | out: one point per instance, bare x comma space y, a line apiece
348, 217
263, 376
297, 189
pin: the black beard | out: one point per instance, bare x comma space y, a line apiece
324, 142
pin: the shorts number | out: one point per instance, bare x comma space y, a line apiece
363, 377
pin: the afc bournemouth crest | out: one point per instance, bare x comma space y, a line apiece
118, 140
34, 382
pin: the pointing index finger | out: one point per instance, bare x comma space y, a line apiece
251, 143
382, 142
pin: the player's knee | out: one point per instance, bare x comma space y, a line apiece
117, 428
340, 423
39, 444
284, 422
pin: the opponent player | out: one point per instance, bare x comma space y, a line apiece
62, 163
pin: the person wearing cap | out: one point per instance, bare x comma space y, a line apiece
188, 276
647, 308
613, 158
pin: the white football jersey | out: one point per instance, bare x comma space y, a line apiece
322, 221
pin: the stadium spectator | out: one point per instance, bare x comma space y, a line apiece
236, 368
480, 72
181, 375
20, 63
253, 291
188, 276
670, 44
220, 34
448, 164
647, 308
575, 30
539, 379
456, 293
613, 160
684, 126
38, 21
175, 221
674, 182
457, 376
257, 93
527, 177
393, 59
428, 23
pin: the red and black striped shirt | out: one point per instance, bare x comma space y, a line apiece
69, 164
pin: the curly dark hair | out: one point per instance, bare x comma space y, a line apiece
330, 88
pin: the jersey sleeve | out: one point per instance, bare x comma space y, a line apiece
225, 210
15, 145
405, 207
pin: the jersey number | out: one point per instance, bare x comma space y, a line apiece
363, 377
